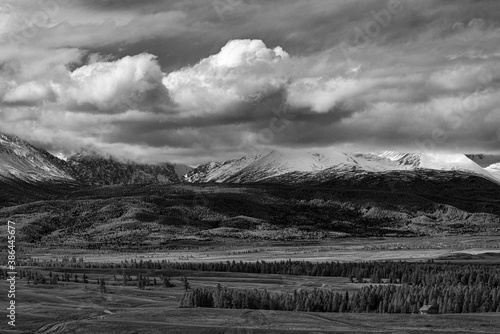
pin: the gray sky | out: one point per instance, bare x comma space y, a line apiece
192, 81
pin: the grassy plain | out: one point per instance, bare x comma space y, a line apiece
81, 308
71, 307
341, 249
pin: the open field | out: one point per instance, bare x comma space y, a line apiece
77, 307
81, 308
343, 250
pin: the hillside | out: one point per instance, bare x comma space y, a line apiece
159, 215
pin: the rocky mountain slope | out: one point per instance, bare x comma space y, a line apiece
93, 169
22, 162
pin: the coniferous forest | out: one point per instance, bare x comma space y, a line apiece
452, 288
374, 298
395, 287
393, 272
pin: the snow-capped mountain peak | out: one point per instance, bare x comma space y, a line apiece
403, 159
277, 163
20, 161
219, 171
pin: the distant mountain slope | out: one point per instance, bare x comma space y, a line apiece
444, 161
93, 169
256, 168
219, 171
313, 165
22, 162
278, 163
490, 162
494, 170
484, 160
182, 170
399, 203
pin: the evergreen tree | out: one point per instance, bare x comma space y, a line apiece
102, 285
185, 283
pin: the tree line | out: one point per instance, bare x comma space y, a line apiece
36, 277
427, 273
370, 299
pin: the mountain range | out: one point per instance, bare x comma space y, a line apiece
88, 198
21, 161
293, 167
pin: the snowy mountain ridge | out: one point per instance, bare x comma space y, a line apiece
20, 161
277, 163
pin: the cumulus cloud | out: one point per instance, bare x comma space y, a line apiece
241, 70
114, 86
103, 85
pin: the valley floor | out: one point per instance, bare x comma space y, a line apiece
481, 249
76, 307
80, 309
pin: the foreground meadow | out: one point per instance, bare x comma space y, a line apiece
82, 308
80, 304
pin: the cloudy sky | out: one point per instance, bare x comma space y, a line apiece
193, 81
